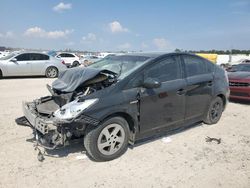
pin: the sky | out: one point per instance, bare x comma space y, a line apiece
114, 25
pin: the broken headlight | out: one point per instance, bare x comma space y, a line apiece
73, 109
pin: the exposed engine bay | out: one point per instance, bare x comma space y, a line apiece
74, 84
58, 118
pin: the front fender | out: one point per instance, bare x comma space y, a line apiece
3, 69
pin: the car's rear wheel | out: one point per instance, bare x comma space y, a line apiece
215, 111
75, 64
107, 141
1, 74
51, 72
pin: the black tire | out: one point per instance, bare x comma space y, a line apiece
75, 64
214, 112
94, 135
51, 72
1, 74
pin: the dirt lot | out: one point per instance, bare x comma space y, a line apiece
181, 160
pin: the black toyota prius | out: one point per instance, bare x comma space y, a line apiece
121, 99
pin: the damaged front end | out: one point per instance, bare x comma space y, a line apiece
59, 118
52, 131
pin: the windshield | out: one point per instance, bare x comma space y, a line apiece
8, 56
242, 67
122, 65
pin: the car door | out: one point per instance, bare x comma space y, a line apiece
163, 106
20, 66
38, 63
199, 86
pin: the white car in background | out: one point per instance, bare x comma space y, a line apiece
31, 64
244, 61
4, 53
91, 59
70, 59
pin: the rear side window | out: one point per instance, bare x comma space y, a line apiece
44, 57
38, 57
197, 66
165, 70
62, 55
69, 55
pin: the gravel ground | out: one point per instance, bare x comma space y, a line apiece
184, 159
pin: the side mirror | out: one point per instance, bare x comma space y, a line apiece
150, 83
14, 60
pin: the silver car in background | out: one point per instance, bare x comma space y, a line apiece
31, 64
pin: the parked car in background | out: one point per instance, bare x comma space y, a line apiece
30, 64
240, 61
245, 61
102, 55
70, 59
239, 81
122, 99
90, 59
3, 53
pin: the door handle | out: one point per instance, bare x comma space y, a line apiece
181, 91
210, 83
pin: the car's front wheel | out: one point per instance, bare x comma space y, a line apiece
215, 111
107, 141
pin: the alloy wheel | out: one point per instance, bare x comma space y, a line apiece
215, 111
111, 139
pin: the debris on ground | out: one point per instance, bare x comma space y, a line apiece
80, 157
210, 139
166, 139
40, 155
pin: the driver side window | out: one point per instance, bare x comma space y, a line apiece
166, 70
23, 57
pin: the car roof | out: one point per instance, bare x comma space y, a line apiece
25, 52
66, 53
154, 54
145, 54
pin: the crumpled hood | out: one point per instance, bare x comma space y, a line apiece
239, 75
70, 79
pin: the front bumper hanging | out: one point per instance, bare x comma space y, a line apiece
38, 123
52, 132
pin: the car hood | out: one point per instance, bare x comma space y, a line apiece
71, 79
239, 75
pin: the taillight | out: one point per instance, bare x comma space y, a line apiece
63, 62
